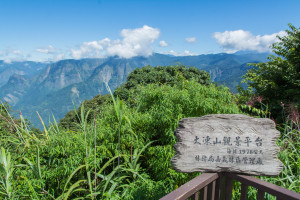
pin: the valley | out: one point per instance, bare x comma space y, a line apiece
53, 88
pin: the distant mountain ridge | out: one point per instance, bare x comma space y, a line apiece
51, 88
27, 68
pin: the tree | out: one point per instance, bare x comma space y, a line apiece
278, 80
93, 105
162, 75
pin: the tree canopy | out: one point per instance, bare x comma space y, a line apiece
278, 80
161, 75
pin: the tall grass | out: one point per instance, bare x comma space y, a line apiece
289, 154
41, 153
6, 175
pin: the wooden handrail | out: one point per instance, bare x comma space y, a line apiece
191, 187
211, 187
263, 186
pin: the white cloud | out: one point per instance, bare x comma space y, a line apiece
47, 54
233, 41
185, 53
188, 53
190, 40
10, 51
8, 61
92, 49
44, 54
47, 50
14, 59
10, 55
163, 43
16, 52
135, 42
58, 57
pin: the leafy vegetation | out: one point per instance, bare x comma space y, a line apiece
169, 75
119, 146
278, 81
273, 92
121, 151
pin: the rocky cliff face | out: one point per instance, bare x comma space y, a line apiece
66, 72
14, 89
27, 69
215, 73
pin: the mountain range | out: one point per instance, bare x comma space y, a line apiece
55, 88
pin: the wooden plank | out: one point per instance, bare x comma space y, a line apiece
191, 187
279, 192
227, 143
244, 192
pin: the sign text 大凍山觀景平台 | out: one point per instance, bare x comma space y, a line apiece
227, 143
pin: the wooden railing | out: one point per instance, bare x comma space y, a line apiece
218, 186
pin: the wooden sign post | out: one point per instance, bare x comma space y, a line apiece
227, 143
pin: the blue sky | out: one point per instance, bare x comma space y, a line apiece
45, 30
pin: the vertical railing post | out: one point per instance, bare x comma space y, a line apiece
203, 195
218, 188
195, 196
223, 187
228, 185
260, 194
244, 191
211, 191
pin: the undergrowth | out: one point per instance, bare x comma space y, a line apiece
123, 150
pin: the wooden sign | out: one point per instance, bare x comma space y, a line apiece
227, 143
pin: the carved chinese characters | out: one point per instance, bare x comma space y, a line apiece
224, 142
